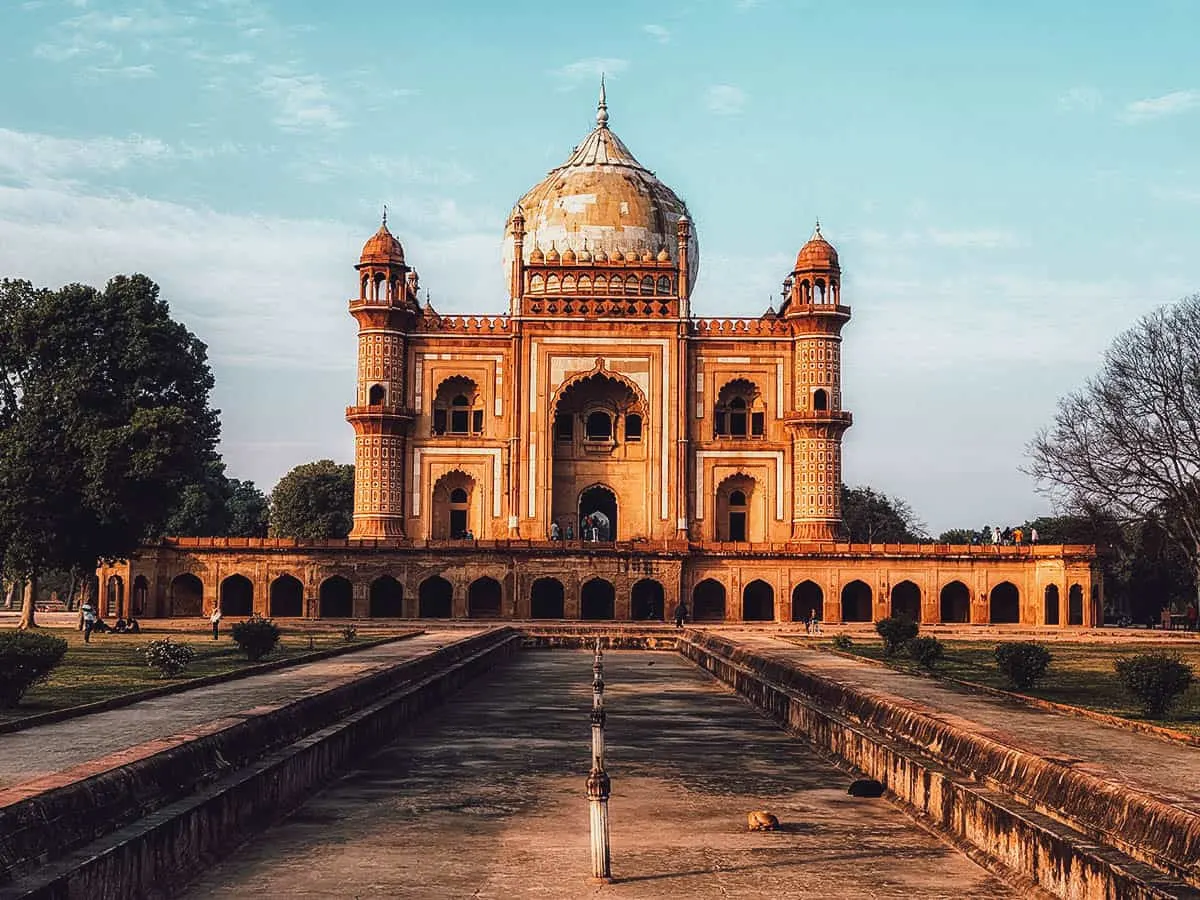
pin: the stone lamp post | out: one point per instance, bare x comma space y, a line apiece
598, 784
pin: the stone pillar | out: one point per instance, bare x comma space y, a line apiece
598, 784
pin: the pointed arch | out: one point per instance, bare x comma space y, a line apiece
547, 599
758, 602
955, 599
708, 601
285, 597
808, 601
435, 598
1004, 604
386, 598
187, 596
335, 598
906, 600
856, 602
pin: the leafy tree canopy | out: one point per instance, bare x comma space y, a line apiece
104, 418
216, 506
872, 517
314, 501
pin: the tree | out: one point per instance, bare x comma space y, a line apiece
104, 418
314, 501
1128, 442
216, 506
872, 517
958, 536
249, 508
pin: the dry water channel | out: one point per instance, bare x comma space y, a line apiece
485, 798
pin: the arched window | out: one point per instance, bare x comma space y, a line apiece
664, 285
733, 508
564, 427
740, 411
458, 408
633, 427
820, 400
376, 395
599, 426
647, 285
452, 506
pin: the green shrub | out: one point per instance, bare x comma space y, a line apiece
26, 658
349, 633
926, 651
895, 631
1022, 662
842, 642
256, 636
1155, 679
168, 657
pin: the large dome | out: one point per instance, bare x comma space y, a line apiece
603, 199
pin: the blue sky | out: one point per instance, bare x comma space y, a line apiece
1009, 185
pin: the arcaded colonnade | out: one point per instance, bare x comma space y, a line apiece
1039, 585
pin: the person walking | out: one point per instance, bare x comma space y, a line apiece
996, 534
681, 612
89, 621
1033, 535
215, 619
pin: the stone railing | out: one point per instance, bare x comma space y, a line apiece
773, 327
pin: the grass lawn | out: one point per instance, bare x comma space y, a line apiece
1079, 675
112, 664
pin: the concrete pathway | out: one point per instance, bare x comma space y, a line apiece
1164, 769
45, 749
485, 798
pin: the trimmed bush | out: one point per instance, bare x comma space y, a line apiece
349, 633
168, 657
26, 658
896, 631
1156, 679
842, 642
1022, 662
256, 636
926, 651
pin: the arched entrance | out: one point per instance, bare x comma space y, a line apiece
139, 596
114, 595
708, 601
758, 602
906, 601
597, 600
286, 597
1075, 605
336, 598
808, 600
1052, 615
187, 595
237, 596
435, 598
598, 514
452, 504
484, 597
735, 519
647, 601
956, 603
1005, 604
546, 599
856, 602
387, 598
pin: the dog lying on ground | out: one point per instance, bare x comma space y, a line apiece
761, 820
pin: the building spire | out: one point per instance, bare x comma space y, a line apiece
385, 215
817, 230
602, 106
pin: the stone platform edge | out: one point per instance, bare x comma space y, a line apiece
177, 687
1158, 731
1074, 835
154, 856
41, 820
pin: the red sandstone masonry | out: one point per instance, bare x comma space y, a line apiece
842, 720
88, 801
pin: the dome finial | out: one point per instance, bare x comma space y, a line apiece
602, 106
817, 231
384, 223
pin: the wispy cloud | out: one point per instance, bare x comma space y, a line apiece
1085, 99
725, 99
658, 32
30, 159
588, 70
303, 102
1171, 104
1176, 194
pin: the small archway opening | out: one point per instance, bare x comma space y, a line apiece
458, 407
237, 596
387, 598
1051, 599
599, 426
597, 600
139, 597
435, 598
336, 598
1075, 605
1005, 604
376, 395
708, 601
758, 602
856, 602
906, 601
285, 597
484, 596
187, 595
808, 602
546, 599
733, 509
647, 601
955, 603
452, 505
114, 595
598, 514
739, 411
820, 400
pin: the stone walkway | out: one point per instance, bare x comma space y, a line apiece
1163, 769
45, 749
485, 798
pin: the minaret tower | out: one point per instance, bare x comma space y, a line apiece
385, 309
812, 306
